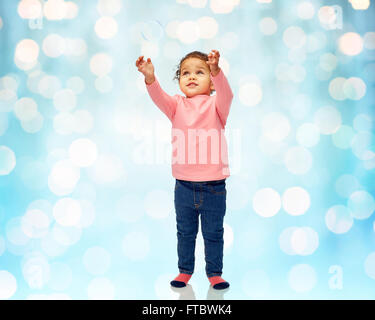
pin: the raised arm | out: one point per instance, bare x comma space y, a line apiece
224, 94
166, 103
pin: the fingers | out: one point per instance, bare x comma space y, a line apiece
139, 61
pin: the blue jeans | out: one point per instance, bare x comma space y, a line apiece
207, 198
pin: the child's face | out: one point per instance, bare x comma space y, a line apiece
197, 71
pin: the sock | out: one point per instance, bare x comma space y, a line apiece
181, 280
218, 282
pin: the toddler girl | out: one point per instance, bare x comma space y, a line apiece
200, 185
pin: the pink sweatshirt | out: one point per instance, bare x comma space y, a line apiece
199, 150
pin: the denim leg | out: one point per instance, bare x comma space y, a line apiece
187, 229
212, 223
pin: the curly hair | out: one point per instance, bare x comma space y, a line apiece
193, 54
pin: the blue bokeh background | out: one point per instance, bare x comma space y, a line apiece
300, 133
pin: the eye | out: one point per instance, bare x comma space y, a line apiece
200, 71
185, 73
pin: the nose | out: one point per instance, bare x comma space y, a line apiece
192, 76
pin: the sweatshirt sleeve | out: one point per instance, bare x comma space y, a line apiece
224, 95
166, 103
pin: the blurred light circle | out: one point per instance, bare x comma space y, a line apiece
208, 27
304, 241
305, 10
55, 9
321, 74
298, 160
109, 7
35, 269
342, 138
76, 84
50, 246
294, 37
25, 109
275, 126
362, 122
328, 61
34, 125
64, 123
83, 121
129, 208
7, 160
106, 169
7, 99
101, 64
316, 41
67, 212
87, 211
297, 73
53, 45
308, 135
296, 201
327, 119
71, 10
136, 245
63, 177
362, 145
75, 47
285, 240
250, 94
268, 26
171, 28
188, 31
256, 283
66, 235
48, 85
8, 284
338, 219
35, 223
354, 88
29, 9
83, 152
101, 289
197, 3
369, 40
60, 276
350, 43
1, 23
302, 278
369, 266
346, 184
228, 237
158, 204
336, 88
106, 27
222, 7
96, 260
27, 51
266, 202
361, 204
360, 4
104, 84
14, 232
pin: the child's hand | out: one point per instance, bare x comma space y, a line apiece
213, 62
147, 68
